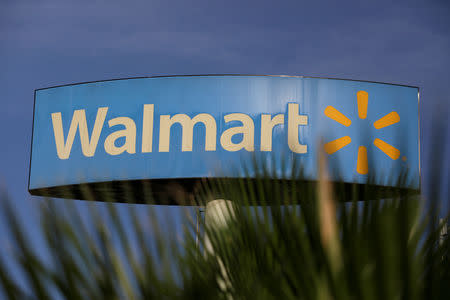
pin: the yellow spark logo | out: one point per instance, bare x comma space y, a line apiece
388, 120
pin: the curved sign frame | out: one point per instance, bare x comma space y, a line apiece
173, 129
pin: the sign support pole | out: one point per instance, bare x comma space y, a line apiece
217, 214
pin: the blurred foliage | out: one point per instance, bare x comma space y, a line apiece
303, 240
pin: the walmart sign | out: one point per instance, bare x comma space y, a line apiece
206, 126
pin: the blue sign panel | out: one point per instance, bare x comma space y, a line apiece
206, 126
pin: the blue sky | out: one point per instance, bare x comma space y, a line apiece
46, 43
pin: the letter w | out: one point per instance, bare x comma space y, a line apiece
88, 145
